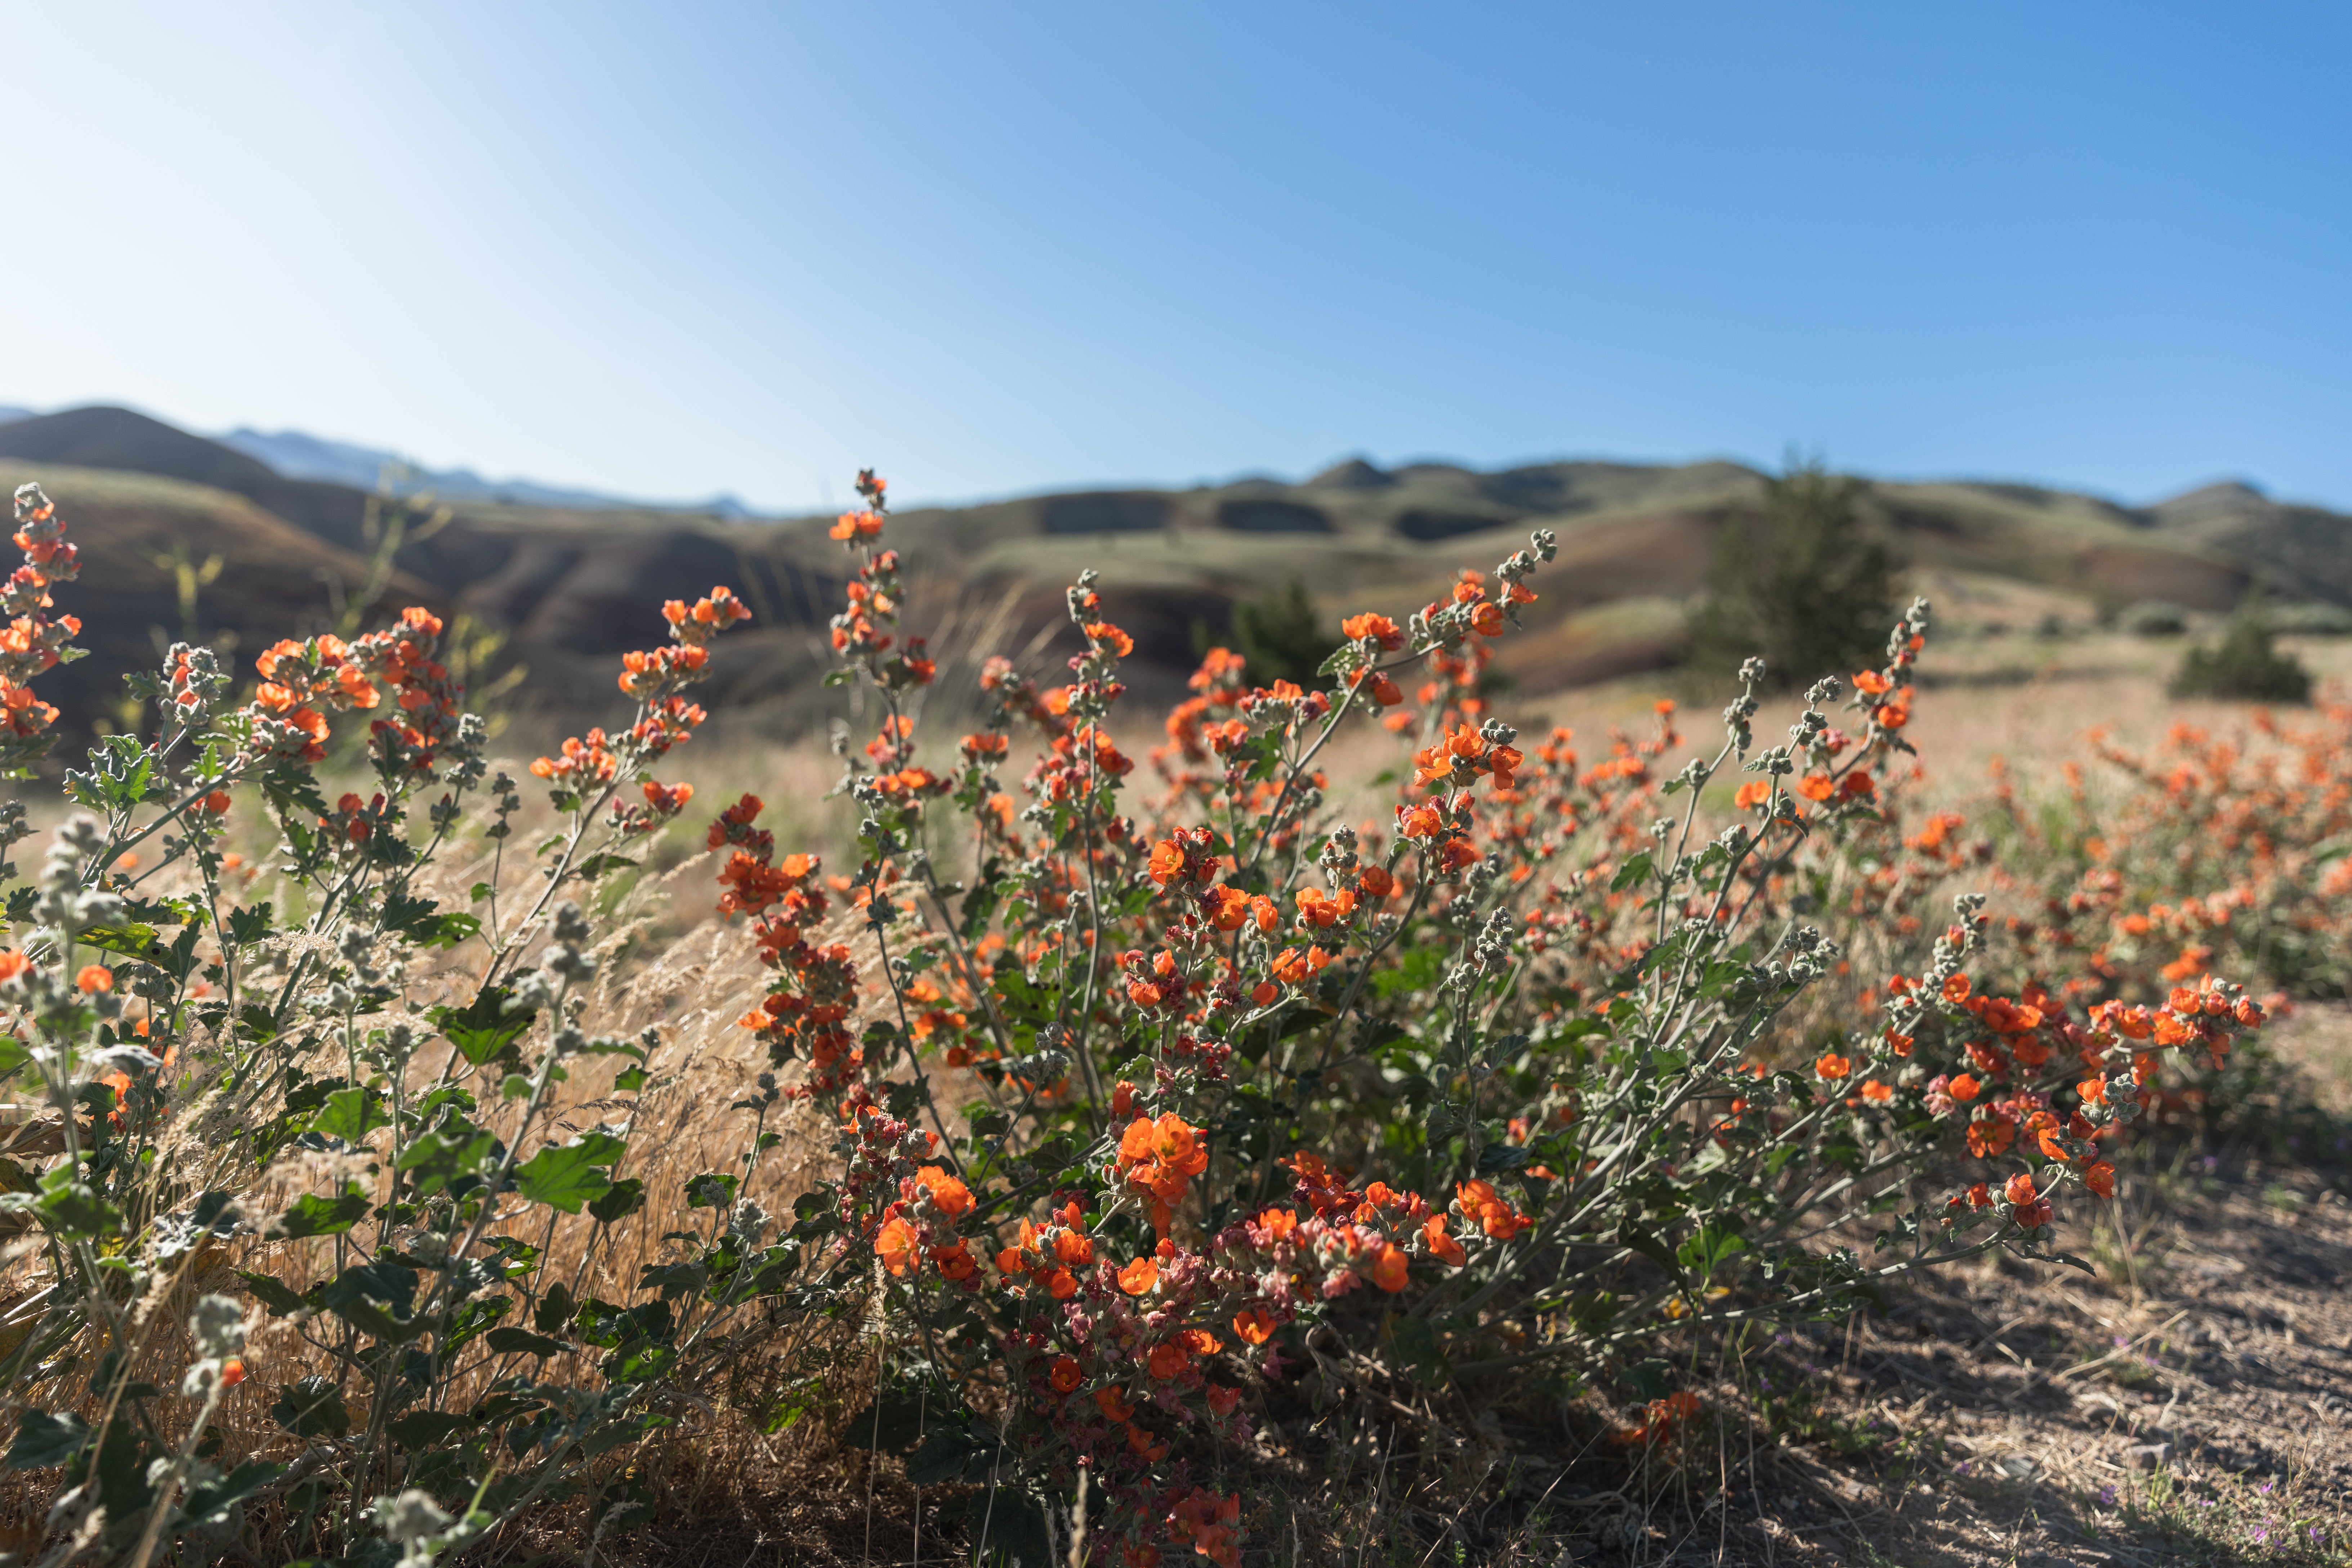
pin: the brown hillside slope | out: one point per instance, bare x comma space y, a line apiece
136, 533
573, 587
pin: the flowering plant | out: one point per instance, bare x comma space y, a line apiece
1153, 1106
1160, 1103
222, 1075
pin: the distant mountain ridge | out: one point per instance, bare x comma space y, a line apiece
299, 454
570, 585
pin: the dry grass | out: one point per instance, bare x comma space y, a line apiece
1987, 1417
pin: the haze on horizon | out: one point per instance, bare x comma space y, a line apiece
747, 249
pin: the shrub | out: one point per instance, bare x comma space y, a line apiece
1806, 587
1281, 634
2243, 667
1220, 1048
1146, 1101
2153, 618
264, 1081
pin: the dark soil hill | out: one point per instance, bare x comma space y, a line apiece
122, 440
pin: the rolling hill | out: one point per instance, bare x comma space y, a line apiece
566, 588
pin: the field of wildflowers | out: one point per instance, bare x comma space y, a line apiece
387, 1185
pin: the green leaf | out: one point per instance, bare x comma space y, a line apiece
312, 1406
448, 1154
1497, 1157
555, 1309
597, 865
444, 930
1651, 1379
274, 1294
1007, 1526
469, 1321
674, 1279
402, 911
1632, 1236
210, 1502
1636, 869
423, 1428
351, 1114
483, 1027
311, 1215
1706, 1250
67, 1206
620, 1200
711, 1189
374, 1297
568, 1175
133, 941
893, 1420
250, 924
522, 1341
948, 1454
44, 1440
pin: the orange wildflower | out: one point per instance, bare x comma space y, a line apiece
954, 1198
895, 1245
1256, 1325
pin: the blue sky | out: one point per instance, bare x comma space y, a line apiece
679, 249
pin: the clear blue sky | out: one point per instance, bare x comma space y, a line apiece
675, 249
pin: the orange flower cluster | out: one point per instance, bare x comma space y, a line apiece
655, 677
1158, 1159
1194, 727
1212, 1523
817, 982
31, 639
1464, 757
1477, 1202
299, 678
1663, 1419
1188, 859
1047, 1255
581, 763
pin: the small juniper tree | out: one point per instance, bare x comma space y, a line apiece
1804, 586
2243, 667
1281, 635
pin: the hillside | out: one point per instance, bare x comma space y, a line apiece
137, 534
298, 456
570, 586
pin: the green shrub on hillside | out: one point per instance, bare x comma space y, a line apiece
1281, 637
2244, 668
2154, 618
1805, 586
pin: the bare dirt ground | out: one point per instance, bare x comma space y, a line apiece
2189, 1403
